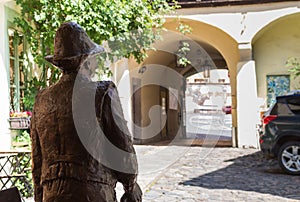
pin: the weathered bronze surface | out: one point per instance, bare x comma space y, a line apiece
63, 170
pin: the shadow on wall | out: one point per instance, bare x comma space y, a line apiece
251, 173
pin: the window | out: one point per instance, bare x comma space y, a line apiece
17, 70
294, 105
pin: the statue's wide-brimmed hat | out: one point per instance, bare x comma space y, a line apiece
71, 45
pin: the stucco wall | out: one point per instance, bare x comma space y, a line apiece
272, 49
244, 24
233, 31
5, 15
150, 98
241, 22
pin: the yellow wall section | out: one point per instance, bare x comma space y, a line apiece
273, 46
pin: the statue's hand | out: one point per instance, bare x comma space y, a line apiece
134, 196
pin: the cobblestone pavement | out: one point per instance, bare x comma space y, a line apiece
222, 174
195, 174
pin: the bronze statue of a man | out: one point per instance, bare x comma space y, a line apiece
64, 168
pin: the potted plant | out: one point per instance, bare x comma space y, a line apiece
19, 120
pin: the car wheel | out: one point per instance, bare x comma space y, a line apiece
289, 157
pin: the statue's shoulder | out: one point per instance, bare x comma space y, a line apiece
44, 91
41, 93
41, 97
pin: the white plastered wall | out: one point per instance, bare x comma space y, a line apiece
243, 23
5, 138
121, 77
248, 105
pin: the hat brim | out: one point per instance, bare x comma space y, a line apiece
63, 63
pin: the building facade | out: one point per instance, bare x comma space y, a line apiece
255, 41
250, 40
8, 65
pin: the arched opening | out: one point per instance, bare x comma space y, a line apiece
208, 102
217, 49
272, 47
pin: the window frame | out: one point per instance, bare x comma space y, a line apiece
15, 102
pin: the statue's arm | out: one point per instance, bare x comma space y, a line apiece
36, 160
116, 131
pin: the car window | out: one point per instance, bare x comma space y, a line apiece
294, 104
283, 109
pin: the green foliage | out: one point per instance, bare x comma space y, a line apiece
182, 59
23, 137
293, 66
184, 46
126, 25
31, 90
184, 28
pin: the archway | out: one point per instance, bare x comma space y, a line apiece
272, 46
221, 48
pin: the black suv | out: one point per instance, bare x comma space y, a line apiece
280, 133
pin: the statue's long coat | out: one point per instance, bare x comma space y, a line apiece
63, 168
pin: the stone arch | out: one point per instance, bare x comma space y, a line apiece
264, 27
226, 45
214, 38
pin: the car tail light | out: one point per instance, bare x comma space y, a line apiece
268, 119
261, 141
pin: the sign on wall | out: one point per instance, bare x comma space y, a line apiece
277, 85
